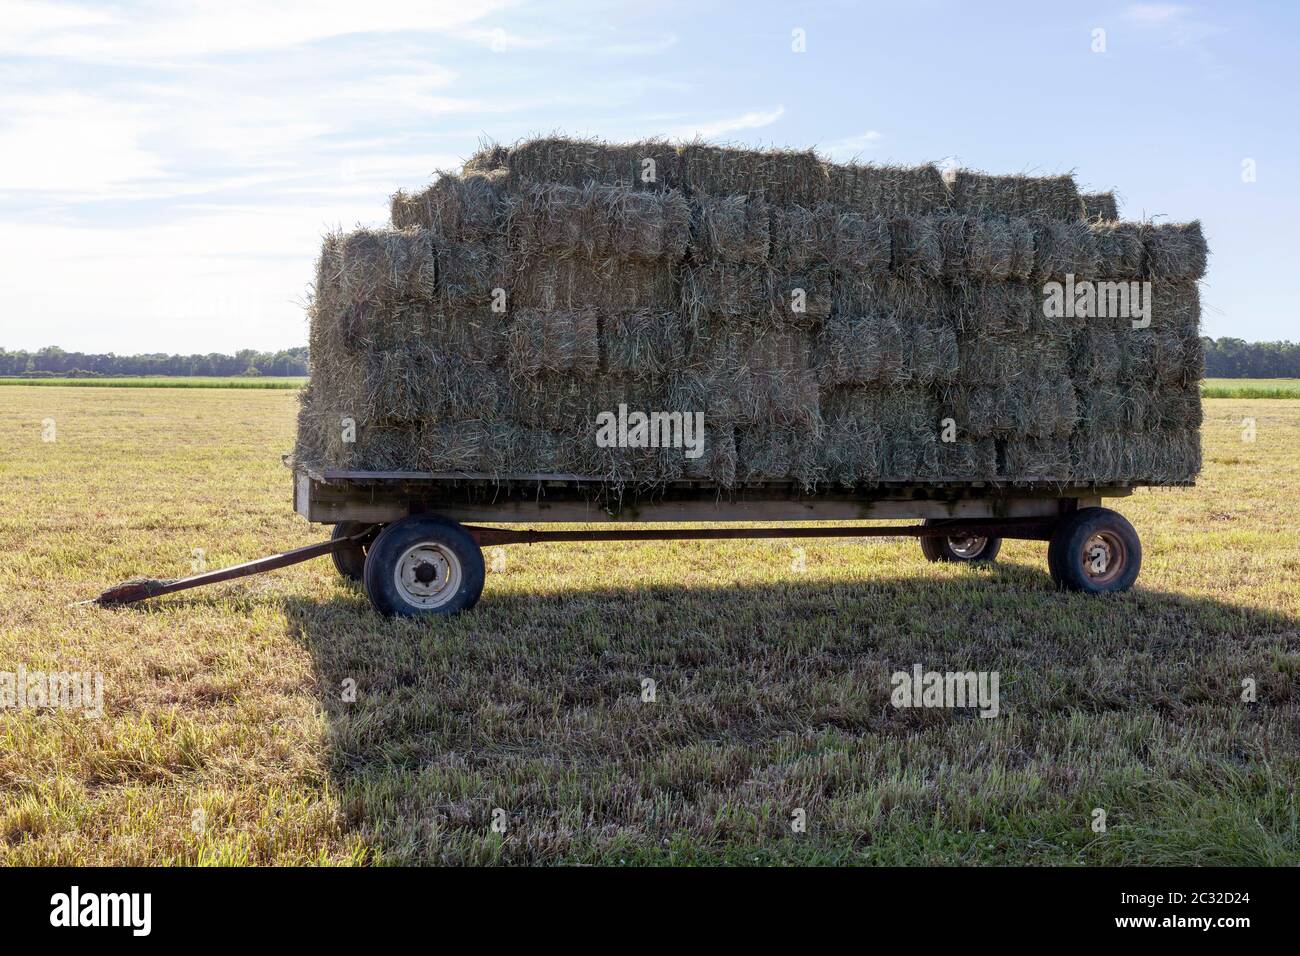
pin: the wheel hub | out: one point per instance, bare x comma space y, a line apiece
427, 576
968, 546
1104, 557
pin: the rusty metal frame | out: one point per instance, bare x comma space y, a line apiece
1031, 529
130, 592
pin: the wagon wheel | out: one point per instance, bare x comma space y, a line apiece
424, 565
1094, 550
350, 558
960, 548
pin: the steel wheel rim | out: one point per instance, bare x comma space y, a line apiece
427, 575
968, 547
1104, 557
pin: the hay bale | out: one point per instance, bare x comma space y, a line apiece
1176, 305
372, 265
953, 232
1064, 248
1121, 253
416, 383
719, 461
1043, 197
802, 298
796, 237
967, 460
999, 248
729, 290
470, 273
1175, 251
1095, 355
455, 208
712, 393
488, 157
577, 162
364, 277
776, 453
1154, 456
852, 243
645, 343
878, 434
1153, 356
774, 383
1175, 409
552, 218
597, 222
851, 349
980, 411
729, 229
888, 191
1005, 359
560, 342
643, 225
779, 176
1099, 207
550, 284
853, 450
916, 251
1113, 407
1043, 459
992, 308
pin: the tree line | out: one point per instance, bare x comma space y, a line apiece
1236, 358
53, 361
1224, 358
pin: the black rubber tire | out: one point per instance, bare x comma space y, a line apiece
1073, 570
350, 559
941, 549
447, 537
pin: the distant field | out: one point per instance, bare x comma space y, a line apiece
167, 381
1210, 388
226, 737
1251, 388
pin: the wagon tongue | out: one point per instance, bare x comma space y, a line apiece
128, 592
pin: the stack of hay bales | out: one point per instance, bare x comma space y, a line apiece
836, 324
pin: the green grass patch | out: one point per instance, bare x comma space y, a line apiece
1250, 388
166, 381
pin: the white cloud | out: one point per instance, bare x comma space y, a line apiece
215, 279
716, 128
166, 31
1154, 12
72, 143
851, 146
1178, 25
647, 47
29, 18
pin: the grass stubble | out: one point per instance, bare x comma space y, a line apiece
772, 683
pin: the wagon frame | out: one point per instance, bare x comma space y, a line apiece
433, 563
404, 536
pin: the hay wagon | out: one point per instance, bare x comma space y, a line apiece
415, 540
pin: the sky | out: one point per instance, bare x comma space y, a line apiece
167, 169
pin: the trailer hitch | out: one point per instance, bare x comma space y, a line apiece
140, 589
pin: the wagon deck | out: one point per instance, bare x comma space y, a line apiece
334, 495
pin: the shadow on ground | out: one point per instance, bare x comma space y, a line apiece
768, 700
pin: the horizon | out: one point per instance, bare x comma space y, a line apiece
157, 199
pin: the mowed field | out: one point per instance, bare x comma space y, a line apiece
226, 736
